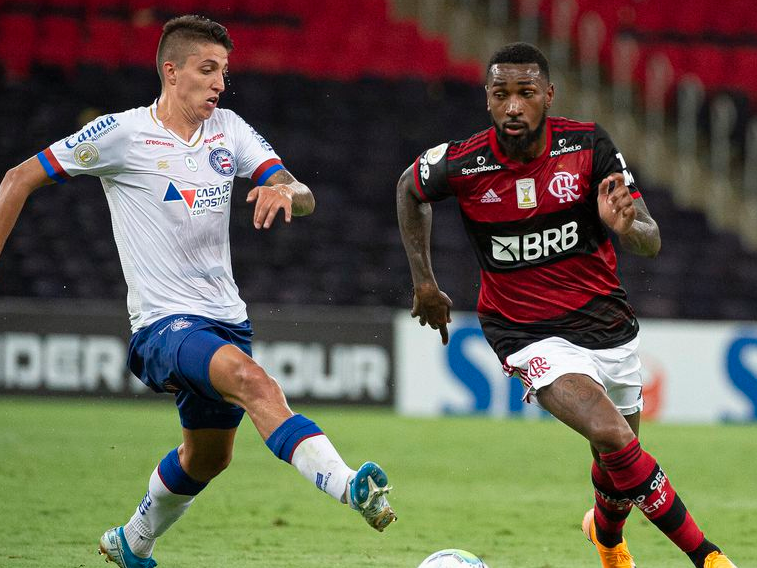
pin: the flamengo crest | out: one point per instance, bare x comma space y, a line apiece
564, 186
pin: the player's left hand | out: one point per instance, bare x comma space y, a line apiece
616, 207
269, 200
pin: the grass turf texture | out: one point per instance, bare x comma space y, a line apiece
513, 492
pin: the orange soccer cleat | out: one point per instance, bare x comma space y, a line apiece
718, 560
616, 556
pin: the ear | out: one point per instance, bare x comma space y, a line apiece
550, 95
486, 89
169, 72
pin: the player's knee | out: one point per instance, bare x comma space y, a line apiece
219, 464
256, 385
610, 436
204, 466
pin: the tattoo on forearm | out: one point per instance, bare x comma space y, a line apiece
415, 228
280, 177
302, 198
644, 237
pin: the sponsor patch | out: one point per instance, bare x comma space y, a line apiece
222, 161
526, 191
191, 163
93, 131
565, 149
86, 155
533, 247
199, 200
213, 138
435, 154
481, 169
151, 142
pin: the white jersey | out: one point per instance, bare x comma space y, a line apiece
170, 205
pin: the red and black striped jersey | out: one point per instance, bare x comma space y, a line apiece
548, 267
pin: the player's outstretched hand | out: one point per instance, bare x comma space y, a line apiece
269, 200
616, 207
432, 306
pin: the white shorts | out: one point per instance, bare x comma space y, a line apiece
617, 369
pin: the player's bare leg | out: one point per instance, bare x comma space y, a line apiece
298, 440
581, 403
206, 452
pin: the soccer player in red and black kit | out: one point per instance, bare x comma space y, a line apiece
539, 196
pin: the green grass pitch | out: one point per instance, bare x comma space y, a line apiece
511, 491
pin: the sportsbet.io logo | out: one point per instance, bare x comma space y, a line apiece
222, 161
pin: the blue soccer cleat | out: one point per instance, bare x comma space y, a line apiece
367, 495
115, 548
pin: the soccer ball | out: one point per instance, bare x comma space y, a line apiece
453, 558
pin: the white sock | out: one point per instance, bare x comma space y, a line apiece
159, 509
319, 462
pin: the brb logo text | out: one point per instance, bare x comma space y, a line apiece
200, 199
534, 246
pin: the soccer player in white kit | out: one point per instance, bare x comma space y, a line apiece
167, 171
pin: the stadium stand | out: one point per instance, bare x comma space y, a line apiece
347, 116
714, 41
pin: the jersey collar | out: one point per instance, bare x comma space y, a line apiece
193, 141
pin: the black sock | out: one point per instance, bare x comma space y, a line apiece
703, 550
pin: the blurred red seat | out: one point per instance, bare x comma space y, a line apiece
264, 48
103, 40
18, 33
743, 76
139, 44
68, 6
710, 63
58, 41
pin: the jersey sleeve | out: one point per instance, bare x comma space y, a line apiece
430, 174
255, 156
607, 160
98, 149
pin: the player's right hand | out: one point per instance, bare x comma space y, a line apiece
269, 200
432, 306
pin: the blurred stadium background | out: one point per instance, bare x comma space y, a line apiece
349, 92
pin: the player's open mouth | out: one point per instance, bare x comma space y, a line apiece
212, 101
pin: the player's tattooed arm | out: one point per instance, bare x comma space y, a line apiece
644, 237
628, 217
303, 202
430, 304
281, 191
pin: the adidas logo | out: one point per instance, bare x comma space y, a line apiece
490, 197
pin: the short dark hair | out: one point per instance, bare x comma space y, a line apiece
518, 53
182, 31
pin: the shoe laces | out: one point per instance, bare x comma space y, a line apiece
619, 559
